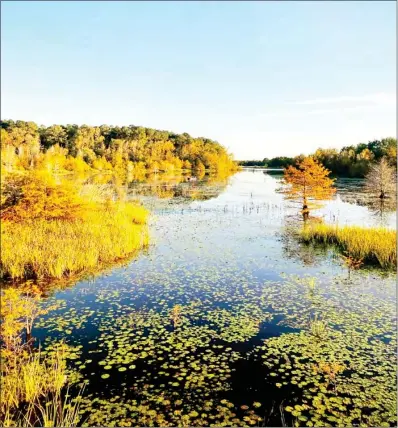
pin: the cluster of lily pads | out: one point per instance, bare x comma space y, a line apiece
170, 339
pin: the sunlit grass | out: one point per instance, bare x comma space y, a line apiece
26, 378
52, 249
372, 245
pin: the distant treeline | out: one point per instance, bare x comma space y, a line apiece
25, 145
350, 161
278, 162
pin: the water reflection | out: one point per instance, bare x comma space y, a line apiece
179, 188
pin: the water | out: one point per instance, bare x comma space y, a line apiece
176, 336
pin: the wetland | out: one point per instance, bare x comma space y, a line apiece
226, 318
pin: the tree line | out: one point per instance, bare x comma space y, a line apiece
25, 145
350, 161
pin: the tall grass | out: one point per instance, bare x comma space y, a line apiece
27, 381
32, 383
372, 245
51, 249
52, 411
31, 391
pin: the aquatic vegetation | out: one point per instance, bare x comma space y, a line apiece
318, 328
169, 376
351, 262
54, 411
26, 377
175, 315
339, 385
54, 249
372, 245
31, 381
332, 370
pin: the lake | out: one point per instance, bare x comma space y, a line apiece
228, 320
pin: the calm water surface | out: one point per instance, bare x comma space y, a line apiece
186, 320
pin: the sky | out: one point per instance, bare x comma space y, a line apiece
264, 79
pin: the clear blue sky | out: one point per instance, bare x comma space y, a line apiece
262, 78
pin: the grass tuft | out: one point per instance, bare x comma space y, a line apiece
372, 245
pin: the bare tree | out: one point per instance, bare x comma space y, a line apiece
381, 179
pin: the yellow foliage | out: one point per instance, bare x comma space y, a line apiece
39, 197
102, 164
56, 229
187, 165
26, 378
309, 180
76, 164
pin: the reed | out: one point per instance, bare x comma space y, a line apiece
372, 245
25, 378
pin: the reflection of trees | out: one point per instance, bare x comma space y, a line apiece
381, 208
275, 172
353, 191
178, 187
293, 248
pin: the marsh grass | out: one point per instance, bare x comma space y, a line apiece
53, 411
52, 249
371, 245
26, 378
31, 391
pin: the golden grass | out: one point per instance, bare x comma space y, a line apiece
31, 390
26, 378
51, 249
372, 245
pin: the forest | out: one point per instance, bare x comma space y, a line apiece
350, 161
133, 149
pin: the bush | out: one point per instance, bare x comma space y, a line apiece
37, 196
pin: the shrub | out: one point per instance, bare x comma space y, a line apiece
38, 196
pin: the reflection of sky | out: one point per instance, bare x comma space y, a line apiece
246, 187
348, 213
255, 187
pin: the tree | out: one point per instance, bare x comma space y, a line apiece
53, 135
381, 179
308, 181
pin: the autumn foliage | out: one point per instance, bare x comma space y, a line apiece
38, 196
309, 180
129, 150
